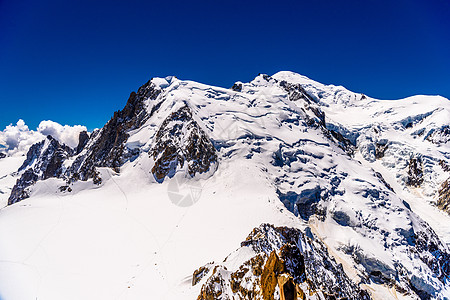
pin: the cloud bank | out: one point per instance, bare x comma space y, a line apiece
16, 139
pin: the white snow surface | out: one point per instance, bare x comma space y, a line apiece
126, 239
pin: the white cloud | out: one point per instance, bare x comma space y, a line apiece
65, 134
18, 138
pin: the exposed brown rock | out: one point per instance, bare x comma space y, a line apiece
288, 289
199, 274
444, 165
257, 264
269, 277
444, 196
280, 270
214, 290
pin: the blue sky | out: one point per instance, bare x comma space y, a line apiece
75, 62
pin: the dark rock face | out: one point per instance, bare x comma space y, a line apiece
296, 92
380, 148
47, 157
444, 196
341, 218
440, 136
415, 172
106, 147
83, 138
343, 143
32, 154
54, 166
237, 87
19, 191
44, 160
444, 190
2, 155
285, 257
180, 140
444, 166
200, 273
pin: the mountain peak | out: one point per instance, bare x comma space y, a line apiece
291, 77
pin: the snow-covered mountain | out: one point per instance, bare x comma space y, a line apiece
280, 188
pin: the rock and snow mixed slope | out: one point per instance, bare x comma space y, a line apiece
179, 178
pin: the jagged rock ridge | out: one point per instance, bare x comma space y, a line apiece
284, 264
444, 196
44, 160
105, 147
180, 140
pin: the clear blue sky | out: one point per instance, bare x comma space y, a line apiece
75, 62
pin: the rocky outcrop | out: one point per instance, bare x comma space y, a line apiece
237, 87
296, 92
273, 270
32, 154
180, 141
44, 160
440, 136
286, 264
444, 166
200, 273
415, 172
380, 148
343, 143
444, 196
2, 155
83, 138
19, 191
